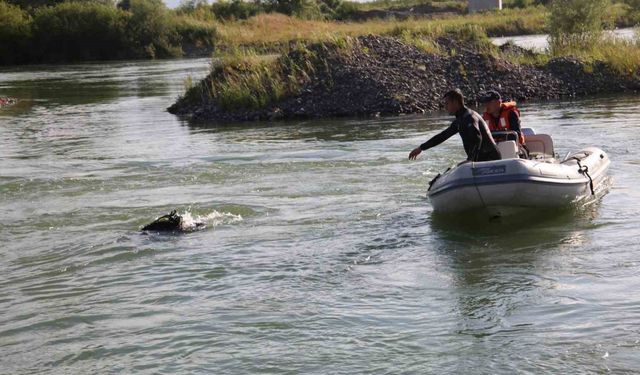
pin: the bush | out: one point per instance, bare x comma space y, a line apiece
196, 9
152, 29
98, 30
75, 31
236, 9
31, 4
15, 32
196, 33
576, 24
346, 10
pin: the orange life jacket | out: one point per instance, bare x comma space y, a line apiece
503, 121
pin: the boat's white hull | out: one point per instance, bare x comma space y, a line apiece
507, 186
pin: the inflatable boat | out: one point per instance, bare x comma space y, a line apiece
512, 184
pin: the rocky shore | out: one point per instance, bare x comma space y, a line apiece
379, 75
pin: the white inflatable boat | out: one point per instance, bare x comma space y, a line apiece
507, 186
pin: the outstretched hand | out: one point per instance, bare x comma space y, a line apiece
414, 153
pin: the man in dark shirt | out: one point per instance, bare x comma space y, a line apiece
475, 134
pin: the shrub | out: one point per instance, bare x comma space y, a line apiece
74, 31
15, 33
31, 4
576, 24
345, 10
196, 9
195, 32
236, 9
152, 29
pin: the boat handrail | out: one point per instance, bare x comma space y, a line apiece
505, 134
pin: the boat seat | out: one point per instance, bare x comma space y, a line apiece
540, 144
508, 149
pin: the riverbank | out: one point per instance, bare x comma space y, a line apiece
382, 75
146, 29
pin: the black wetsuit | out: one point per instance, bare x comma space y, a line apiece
475, 134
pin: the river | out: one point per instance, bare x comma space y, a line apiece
540, 42
320, 256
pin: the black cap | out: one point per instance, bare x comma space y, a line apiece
490, 95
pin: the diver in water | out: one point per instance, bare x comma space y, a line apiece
5, 101
169, 223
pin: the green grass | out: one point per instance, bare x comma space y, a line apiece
623, 56
243, 79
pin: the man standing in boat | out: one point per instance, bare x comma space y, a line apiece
475, 134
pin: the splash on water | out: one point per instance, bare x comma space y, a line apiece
191, 222
587, 201
5, 101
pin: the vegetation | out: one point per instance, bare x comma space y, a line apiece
90, 30
623, 56
398, 4
244, 79
71, 30
15, 31
306, 9
575, 23
577, 29
276, 29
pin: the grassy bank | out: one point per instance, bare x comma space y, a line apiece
623, 56
245, 79
242, 80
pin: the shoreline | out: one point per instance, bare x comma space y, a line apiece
376, 75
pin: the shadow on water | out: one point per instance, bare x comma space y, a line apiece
336, 129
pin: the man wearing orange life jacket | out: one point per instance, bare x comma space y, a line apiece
501, 116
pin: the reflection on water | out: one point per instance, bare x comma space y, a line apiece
337, 265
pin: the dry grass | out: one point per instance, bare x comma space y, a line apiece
620, 54
266, 29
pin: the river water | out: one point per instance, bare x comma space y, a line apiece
320, 254
540, 42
